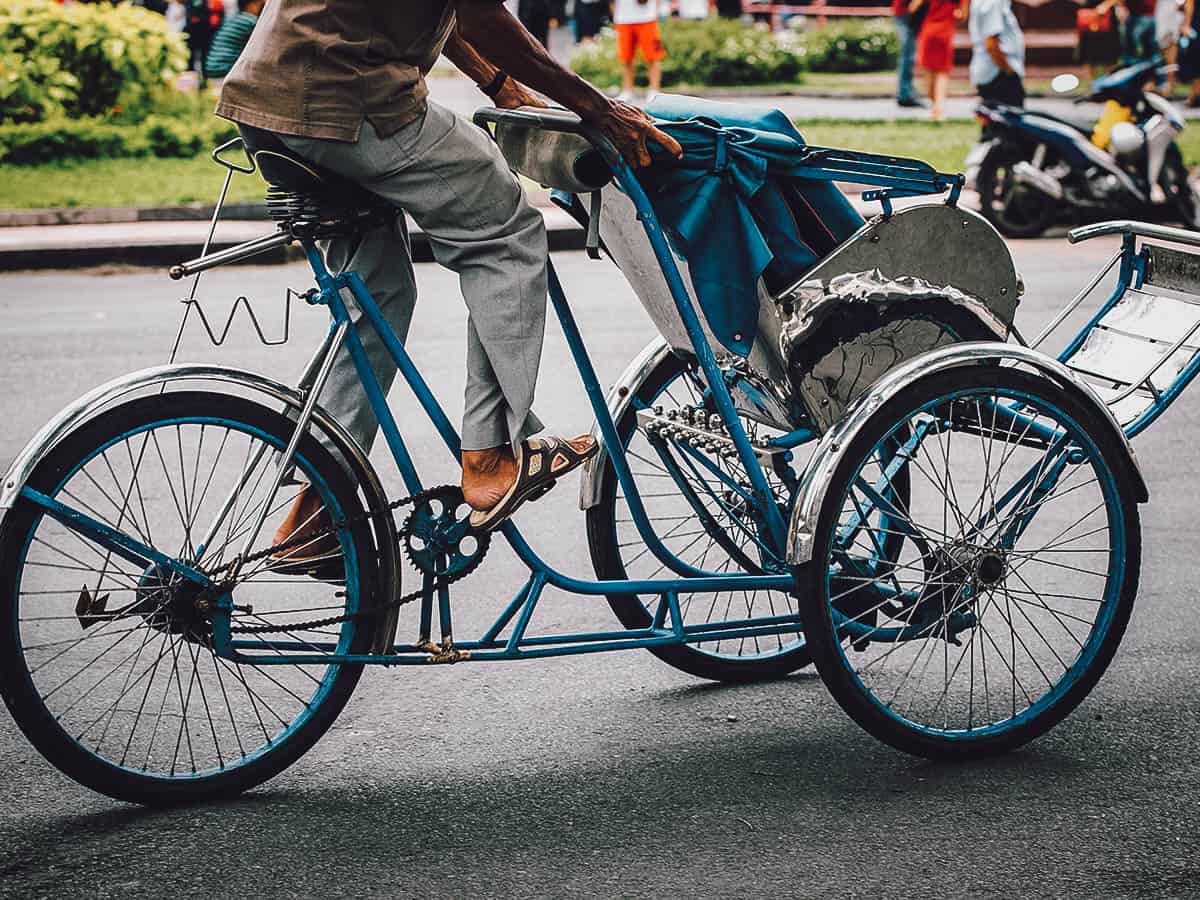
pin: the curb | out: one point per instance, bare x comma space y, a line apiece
119, 215
111, 215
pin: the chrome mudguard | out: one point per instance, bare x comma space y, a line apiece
349, 453
618, 400
828, 455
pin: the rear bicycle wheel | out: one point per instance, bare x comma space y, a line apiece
676, 496
1022, 550
110, 671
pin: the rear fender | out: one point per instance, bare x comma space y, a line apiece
619, 400
830, 452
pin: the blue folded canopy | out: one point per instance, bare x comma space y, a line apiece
738, 208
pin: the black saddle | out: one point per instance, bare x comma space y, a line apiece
310, 200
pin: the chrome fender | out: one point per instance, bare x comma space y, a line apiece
347, 450
618, 400
829, 453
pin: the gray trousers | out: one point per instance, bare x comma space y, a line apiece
450, 177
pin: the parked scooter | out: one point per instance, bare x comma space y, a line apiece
1033, 169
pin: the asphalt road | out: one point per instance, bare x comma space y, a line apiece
614, 774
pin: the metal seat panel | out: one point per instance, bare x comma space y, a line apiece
1124, 359
1152, 316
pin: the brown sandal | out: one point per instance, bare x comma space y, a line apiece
540, 462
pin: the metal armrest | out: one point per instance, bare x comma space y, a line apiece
1129, 226
231, 254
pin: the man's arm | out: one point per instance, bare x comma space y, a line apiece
991, 44
500, 40
512, 93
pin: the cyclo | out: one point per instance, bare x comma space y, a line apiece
842, 459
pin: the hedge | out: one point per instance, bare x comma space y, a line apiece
849, 45
714, 51
70, 139
82, 59
727, 52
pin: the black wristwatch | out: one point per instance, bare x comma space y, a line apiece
493, 87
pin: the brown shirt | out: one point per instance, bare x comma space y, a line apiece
319, 68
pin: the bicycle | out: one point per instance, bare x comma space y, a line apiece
192, 664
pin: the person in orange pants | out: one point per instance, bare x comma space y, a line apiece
636, 22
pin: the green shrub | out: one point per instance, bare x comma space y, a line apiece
848, 45
713, 51
57, 140
82, 59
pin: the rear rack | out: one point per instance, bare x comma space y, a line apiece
1141, 348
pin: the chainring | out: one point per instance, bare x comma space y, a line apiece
437, 536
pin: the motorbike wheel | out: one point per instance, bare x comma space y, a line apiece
1016, 211
1181, 193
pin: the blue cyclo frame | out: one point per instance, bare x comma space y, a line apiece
667, 626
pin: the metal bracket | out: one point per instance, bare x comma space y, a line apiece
242, 301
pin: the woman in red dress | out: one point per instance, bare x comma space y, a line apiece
935, 47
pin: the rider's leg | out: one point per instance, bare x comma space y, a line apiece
450, 177
383, 260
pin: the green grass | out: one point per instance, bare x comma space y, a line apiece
171, 182
121, 182
944, 145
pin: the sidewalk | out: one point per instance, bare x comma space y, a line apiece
165, 243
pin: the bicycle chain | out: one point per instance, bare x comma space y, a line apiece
395, 603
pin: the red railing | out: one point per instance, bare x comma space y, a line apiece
818, 9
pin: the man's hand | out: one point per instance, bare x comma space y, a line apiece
630, 130
491, 34
514, 95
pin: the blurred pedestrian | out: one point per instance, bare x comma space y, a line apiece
1099, 39
539, 17
693, 9
589, 19
230, 40
997, 52
1189, 51
729, 9
1168, 28
1137, 29
636, 22
176, 14
199, 30
908, 26
935, 48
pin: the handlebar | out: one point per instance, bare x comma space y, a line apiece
549, 119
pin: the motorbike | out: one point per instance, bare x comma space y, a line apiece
1033, 169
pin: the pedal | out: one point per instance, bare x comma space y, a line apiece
699, 429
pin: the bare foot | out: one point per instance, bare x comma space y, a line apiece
488, 474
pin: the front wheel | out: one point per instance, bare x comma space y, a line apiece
109, 667
1017, 210
1180, 191
1017, 576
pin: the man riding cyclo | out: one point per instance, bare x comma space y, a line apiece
341, 84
